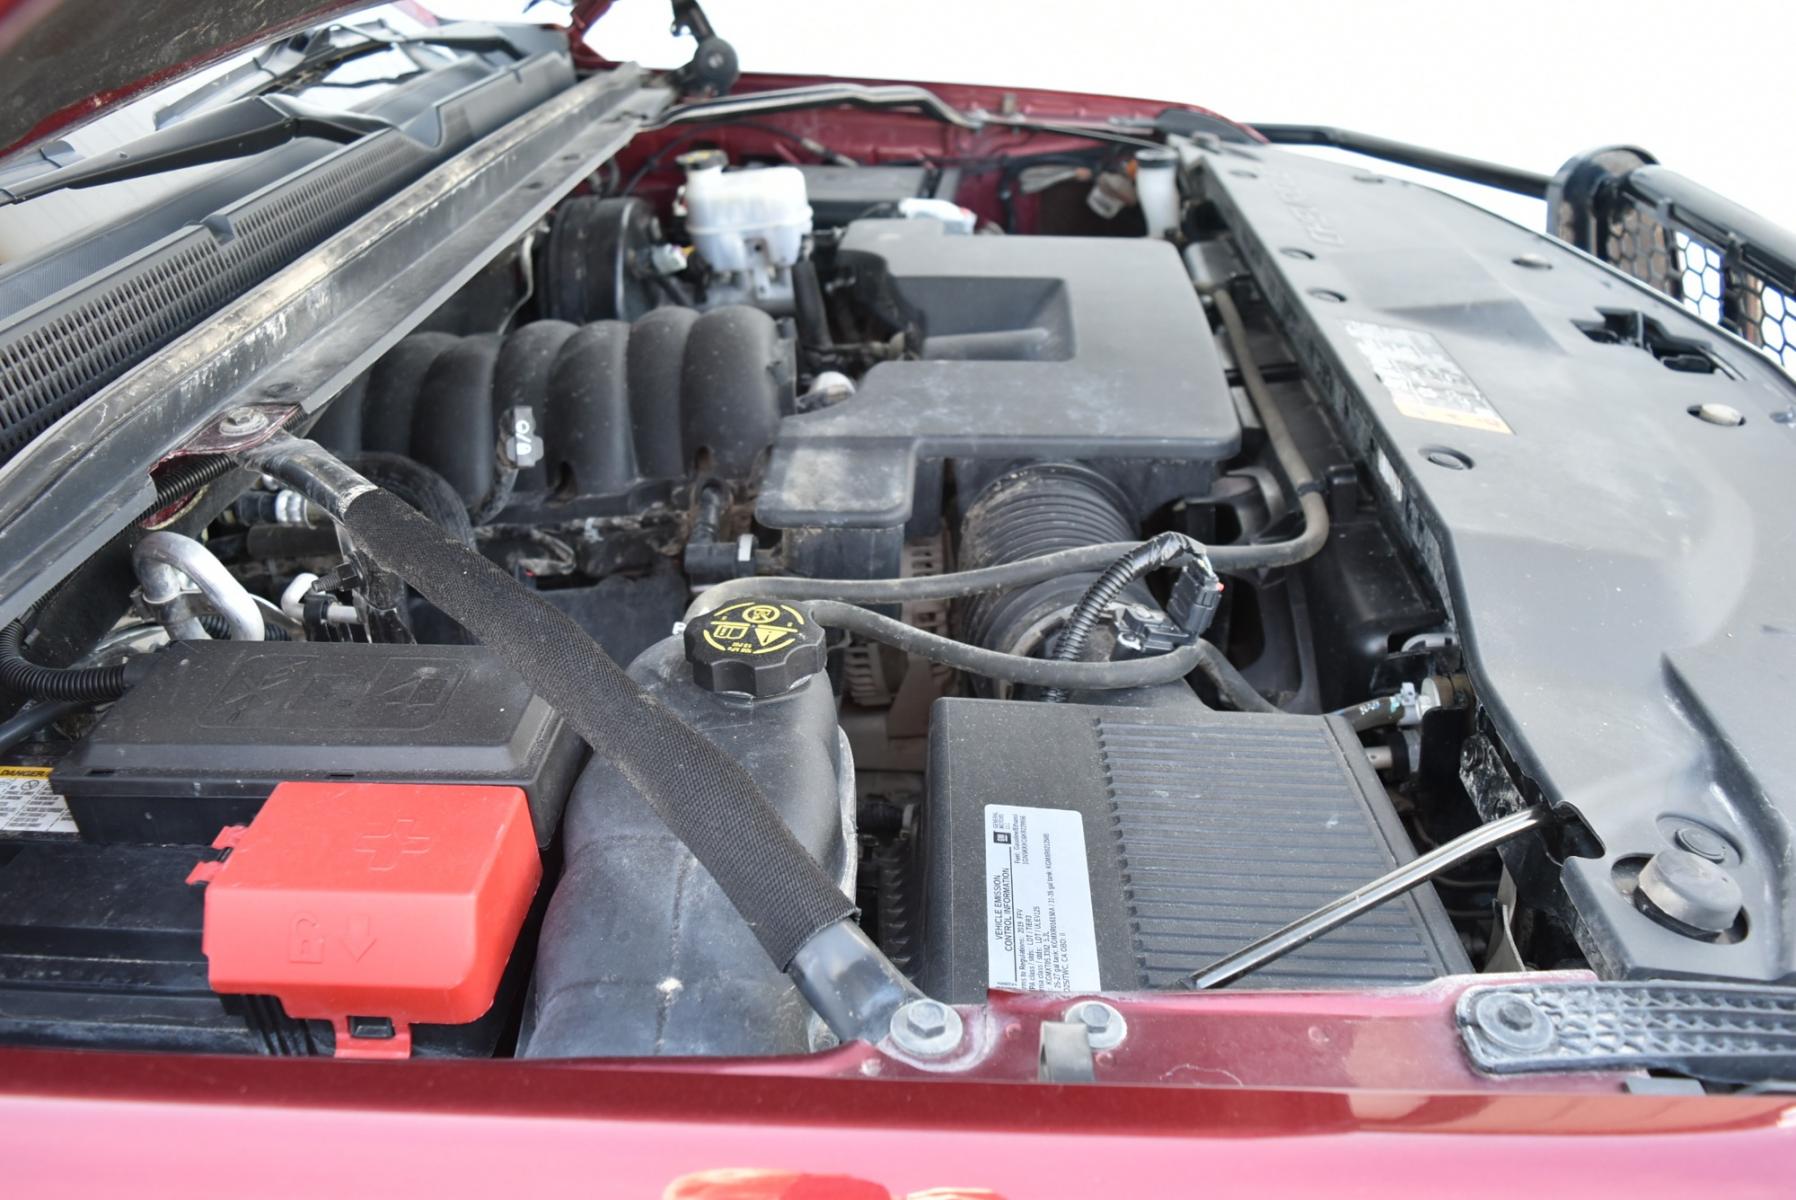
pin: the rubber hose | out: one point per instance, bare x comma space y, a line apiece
807, 302
33, 719
1371, 714
1231, 685
19, 674
420, 487
706, 798
1150, 556
219, 629
952, 586
1278, 435
1011, 668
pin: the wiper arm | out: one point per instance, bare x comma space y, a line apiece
306, 57
240, 128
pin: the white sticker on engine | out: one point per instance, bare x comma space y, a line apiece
1039, 931
1424, 380
28, 805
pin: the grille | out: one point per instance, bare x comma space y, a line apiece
1656, 228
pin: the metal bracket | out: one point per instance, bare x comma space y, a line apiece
1732, 1032
241, 429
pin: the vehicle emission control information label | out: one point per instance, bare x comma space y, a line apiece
27, 805
1424, 381
1039, 931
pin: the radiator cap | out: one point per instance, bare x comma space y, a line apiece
756, 648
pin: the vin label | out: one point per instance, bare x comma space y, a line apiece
1039, 931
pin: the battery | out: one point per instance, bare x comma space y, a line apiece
1072, 848
203, 739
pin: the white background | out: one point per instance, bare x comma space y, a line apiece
1704, 87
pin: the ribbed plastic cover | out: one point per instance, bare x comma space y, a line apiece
1230, 830
1202, 832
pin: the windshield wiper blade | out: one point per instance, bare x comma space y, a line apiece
305, 58
236, 130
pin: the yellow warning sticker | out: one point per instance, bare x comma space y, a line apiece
753, 627
28, 805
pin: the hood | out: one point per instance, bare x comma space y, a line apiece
66, 60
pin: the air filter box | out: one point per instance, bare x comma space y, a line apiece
204, 738
1069, 848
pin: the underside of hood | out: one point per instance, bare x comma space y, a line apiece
66, 60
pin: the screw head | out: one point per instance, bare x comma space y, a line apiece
240, 421
1513, 1022
1704, 843
1105, 1027
926, 1028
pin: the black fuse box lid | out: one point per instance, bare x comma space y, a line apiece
203, 739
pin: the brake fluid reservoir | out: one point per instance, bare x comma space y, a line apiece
751, 222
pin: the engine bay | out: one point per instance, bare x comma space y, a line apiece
1064, 571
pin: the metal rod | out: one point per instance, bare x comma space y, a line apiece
1441, 162
1338, 912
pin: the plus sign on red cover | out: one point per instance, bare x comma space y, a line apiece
393, 902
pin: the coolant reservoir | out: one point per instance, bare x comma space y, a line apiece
751, 222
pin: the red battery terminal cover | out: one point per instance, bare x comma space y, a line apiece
369, 903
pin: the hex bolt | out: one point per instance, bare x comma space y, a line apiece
1105, 1027
926, 1028
241, 421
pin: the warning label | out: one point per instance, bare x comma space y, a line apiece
27, 805
1039, 931
1424, 381
753, 627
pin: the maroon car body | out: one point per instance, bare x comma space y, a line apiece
1269, 1094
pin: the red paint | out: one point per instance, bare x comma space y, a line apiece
109, 1125
1340, 1094
372, 899
895, 135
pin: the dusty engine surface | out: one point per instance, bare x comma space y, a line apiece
931, 553
1028, 349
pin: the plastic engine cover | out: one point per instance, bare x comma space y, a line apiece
1071, 848
372, 906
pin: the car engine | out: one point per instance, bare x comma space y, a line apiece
1050, 573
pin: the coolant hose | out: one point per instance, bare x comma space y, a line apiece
705, 797
421, 487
